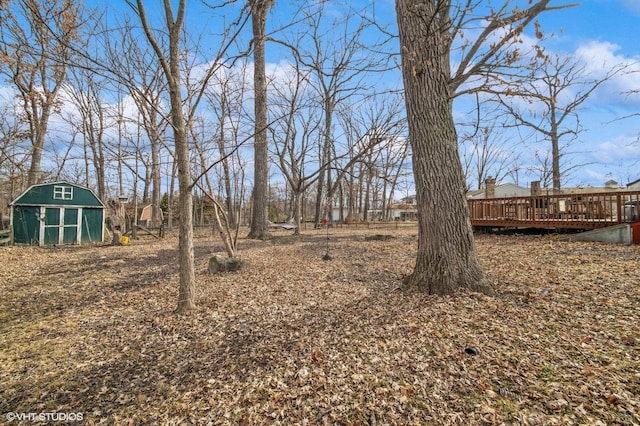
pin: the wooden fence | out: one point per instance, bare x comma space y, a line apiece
5, 237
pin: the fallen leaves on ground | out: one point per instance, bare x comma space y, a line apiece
293, 339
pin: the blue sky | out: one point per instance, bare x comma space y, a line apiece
601, 31
606, 31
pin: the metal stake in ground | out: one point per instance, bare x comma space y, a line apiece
326, 255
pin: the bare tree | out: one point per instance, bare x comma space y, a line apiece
171, 67
394, 158
226, 100
138, 71
447, 259
34, 49
632, 92
294, 135
171, 59
86, 94
13, 154
543, 166
300, 125
547, 101
484, 153
65, 162
221, 221
378, 120
338, 52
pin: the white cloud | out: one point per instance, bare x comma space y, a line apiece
617, 151
633, 5
599, 53
602, 56
7, 95
280, 73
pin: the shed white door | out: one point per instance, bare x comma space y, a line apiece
60, 225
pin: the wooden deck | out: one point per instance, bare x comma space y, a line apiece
563, 211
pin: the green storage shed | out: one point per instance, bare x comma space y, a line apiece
57, 213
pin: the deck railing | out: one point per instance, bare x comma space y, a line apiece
578, 211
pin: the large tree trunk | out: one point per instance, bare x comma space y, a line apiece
36, 159
259, 221
297, 211
39, 123
447, 259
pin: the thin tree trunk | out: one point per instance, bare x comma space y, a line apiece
341, 196
170, 196
226, 176
156, 196
317, 216
171, 67
351, 202
555, 152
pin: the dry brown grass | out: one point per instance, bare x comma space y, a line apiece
292, 339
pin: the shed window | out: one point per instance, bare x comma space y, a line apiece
62, 193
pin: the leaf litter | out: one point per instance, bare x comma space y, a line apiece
294, 339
